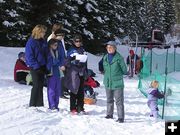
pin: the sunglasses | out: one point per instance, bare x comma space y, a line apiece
59, 34
78, 41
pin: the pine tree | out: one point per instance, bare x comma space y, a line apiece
13, 24
170, 16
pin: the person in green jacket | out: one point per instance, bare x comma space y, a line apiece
114, 69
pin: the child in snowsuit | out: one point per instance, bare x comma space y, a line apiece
153, 96
55, 60
20, 69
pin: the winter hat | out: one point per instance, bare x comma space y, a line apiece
52, 41
131, 52
112, 43
59, 32
21, 54
77, 37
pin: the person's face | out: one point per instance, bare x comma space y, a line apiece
77, 42
59, 36
23, 58
43, 33
54, 46
110, 49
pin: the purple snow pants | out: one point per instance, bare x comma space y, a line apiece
53, 90
153, 107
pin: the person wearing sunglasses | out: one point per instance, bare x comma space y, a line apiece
76, 71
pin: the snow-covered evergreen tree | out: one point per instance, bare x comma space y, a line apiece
93, 19
13, 23
170, 15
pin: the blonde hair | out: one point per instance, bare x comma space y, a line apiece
154, 84
57, 26
38, 29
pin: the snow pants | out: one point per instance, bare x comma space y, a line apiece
53, 91
153, 107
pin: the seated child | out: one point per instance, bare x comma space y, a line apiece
153, 96
89, 95
20, 69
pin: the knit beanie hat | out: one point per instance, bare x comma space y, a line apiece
77, 37
113, 43
21, 54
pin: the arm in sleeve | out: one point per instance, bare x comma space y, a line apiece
30, 56
123, 66
61, 55
157, 94
127, 60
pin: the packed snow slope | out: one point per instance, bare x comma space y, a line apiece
16, 118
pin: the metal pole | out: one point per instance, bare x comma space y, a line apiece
166, 70
174, 59
135, 52
151, 63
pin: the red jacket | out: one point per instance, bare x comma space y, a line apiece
91, 82
20, 66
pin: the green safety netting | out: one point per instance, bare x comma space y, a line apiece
154, 68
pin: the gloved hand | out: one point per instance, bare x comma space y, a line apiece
72, 58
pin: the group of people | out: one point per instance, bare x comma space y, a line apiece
48, 57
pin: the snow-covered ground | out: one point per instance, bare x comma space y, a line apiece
16, 118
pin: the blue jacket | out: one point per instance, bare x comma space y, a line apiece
53, 63
35, 53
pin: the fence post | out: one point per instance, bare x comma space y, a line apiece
174, 59
151, 63
166, 70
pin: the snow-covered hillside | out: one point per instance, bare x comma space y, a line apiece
16, 118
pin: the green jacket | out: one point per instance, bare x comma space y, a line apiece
113, 73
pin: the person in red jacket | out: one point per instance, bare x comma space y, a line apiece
20, 69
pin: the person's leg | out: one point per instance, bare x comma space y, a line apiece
64, 90
40, 90
119, 98
73, 101
51, 92
57, 91
154, 109
21, 76
151, 113
110, 102
62, 86
34, 90
80, 96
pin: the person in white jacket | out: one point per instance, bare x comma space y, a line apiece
55, 27
57, 32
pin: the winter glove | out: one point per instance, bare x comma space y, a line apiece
72, 58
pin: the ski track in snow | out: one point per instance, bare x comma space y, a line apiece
16, 118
